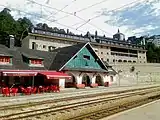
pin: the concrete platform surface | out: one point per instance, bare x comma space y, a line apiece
65, 93
148, 111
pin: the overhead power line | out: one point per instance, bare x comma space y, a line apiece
82, 18
15, 9
72, 14
126, 5
61, 9
110, 11
88, 7
50, 7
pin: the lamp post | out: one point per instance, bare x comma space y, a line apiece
137, 76
26, 29
119, 82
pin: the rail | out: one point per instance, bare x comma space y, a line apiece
78, 105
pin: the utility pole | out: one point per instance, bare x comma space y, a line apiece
119, 80
26, 29
137, 73
150, 77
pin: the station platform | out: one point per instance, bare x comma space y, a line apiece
67, 92
148, 111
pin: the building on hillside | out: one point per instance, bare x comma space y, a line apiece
154, 39
138, 41
22, 65
111, 50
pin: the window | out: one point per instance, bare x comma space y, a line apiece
107, 60
129, 61
86, 57
5, 60
96, 50
111, 78
33, 45
113, 60
101, 52
101, 46
119, 60
51, 48
102, 59
36, 62
107, 53
44, 46
125, 61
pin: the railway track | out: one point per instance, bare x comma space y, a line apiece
118, 107
51, 111
26, 105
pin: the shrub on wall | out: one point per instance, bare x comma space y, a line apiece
132, 69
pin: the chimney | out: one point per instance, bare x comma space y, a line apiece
96, 33
67, 31
11, 41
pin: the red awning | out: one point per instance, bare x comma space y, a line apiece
54, 74
19, 73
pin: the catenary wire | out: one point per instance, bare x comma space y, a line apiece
15, 9
126, 5
85, 8
82, 18
68, 14
61, 9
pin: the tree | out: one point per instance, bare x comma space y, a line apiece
9, 26
23, 27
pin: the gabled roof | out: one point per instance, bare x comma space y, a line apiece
31, 56
17, 60
56, 60
36, 54
64, 55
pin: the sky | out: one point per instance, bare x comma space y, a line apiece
132, 17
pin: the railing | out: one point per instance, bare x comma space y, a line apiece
83, 38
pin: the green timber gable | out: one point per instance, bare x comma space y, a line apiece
84, 59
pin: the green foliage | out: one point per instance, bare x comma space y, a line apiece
20, 28
9, 26
153, 53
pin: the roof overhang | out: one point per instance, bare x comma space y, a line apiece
54, 75
19, 73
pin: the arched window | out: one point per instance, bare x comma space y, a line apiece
119, 60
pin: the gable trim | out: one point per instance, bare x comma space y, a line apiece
98, 56
78, 53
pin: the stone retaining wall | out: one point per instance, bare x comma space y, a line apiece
143, 73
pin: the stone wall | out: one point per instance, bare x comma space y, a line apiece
143, 73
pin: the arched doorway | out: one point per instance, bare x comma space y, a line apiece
71, 82
111, 79
86, 80
99, 80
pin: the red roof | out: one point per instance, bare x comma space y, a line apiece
48, 74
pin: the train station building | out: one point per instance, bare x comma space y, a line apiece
73, 66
